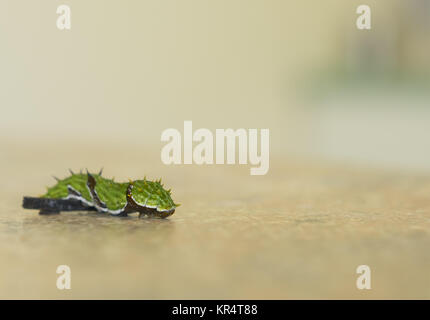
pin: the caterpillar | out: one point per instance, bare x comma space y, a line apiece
95, 192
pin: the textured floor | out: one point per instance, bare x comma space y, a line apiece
299, 232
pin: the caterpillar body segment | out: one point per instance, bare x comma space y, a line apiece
115, 198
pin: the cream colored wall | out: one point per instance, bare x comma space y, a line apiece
142, 66
130, 69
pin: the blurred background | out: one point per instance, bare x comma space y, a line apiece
300, 68
348, 112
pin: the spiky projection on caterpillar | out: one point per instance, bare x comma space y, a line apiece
119, 199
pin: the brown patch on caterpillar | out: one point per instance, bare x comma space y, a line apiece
91, 183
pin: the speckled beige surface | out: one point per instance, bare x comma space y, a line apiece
299, 232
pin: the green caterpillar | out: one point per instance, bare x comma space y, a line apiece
107, 196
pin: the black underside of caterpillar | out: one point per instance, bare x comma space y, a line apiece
55, 206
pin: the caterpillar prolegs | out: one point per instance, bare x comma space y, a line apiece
105, 195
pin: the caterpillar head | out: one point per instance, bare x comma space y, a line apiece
150, 198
